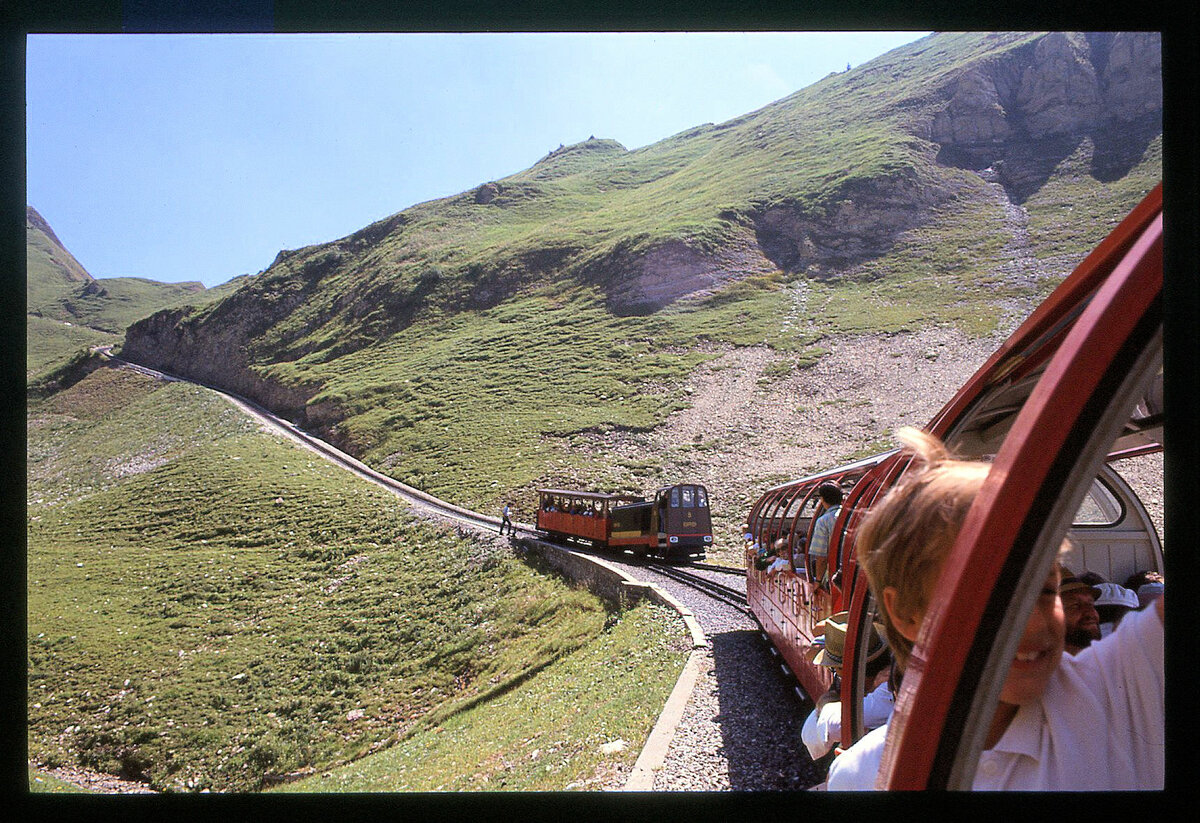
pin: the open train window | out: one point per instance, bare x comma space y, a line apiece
1100, 507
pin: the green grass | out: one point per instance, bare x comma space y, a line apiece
111, 304
43, 783
548, 733
940, 274
209, 606
52, 343
1074, 211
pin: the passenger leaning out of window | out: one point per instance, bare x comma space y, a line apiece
1092, 721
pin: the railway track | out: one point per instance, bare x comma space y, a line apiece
722, 569
728, 595
718, 591
413, 496
775, 725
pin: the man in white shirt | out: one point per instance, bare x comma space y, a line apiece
823, 727
1098, 723
1093, 721
1079, 608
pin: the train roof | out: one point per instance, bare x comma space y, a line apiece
848, 468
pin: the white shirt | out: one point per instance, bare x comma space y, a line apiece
1100, 724
823, 729
777, 565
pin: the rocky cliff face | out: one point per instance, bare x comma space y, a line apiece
216, 353
1023, 113
1018, 115
863, 224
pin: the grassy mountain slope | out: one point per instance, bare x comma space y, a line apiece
68, 310
238, 609
461, 344
51, 269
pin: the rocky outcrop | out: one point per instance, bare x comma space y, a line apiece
1024, 112
486, 193
862, 223
214, 353
646, 281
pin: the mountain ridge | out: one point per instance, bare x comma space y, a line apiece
839, 193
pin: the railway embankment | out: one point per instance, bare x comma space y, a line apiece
616, 586
607, 581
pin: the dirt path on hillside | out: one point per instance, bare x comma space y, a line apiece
94, 781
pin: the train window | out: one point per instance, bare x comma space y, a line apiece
688, 497
675, 498
701, 498
1100, 507
794, 504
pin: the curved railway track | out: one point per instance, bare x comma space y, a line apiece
718, 591
415, 497
774, 724
725, 594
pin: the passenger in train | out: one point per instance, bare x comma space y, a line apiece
1113, 601
780, 563
1079, 612
1147, 585
831, 494
823, 728
765, 556
1045, 733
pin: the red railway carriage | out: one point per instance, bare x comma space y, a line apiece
789, 605
676, 523
580, 516
1076, 388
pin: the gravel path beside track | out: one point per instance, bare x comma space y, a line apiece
740, 730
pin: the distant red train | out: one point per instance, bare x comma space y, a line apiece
676, 524
1076, 388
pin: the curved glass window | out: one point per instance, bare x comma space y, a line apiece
1100, 507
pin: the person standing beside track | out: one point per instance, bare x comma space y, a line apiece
1092, 721
505, 521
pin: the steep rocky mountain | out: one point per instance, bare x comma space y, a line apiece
950, 182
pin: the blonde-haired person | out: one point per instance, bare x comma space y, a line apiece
1094, 721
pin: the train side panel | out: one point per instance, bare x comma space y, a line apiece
633, 526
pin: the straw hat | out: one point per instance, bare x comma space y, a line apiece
832, 640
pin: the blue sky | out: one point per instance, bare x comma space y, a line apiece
199, 157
